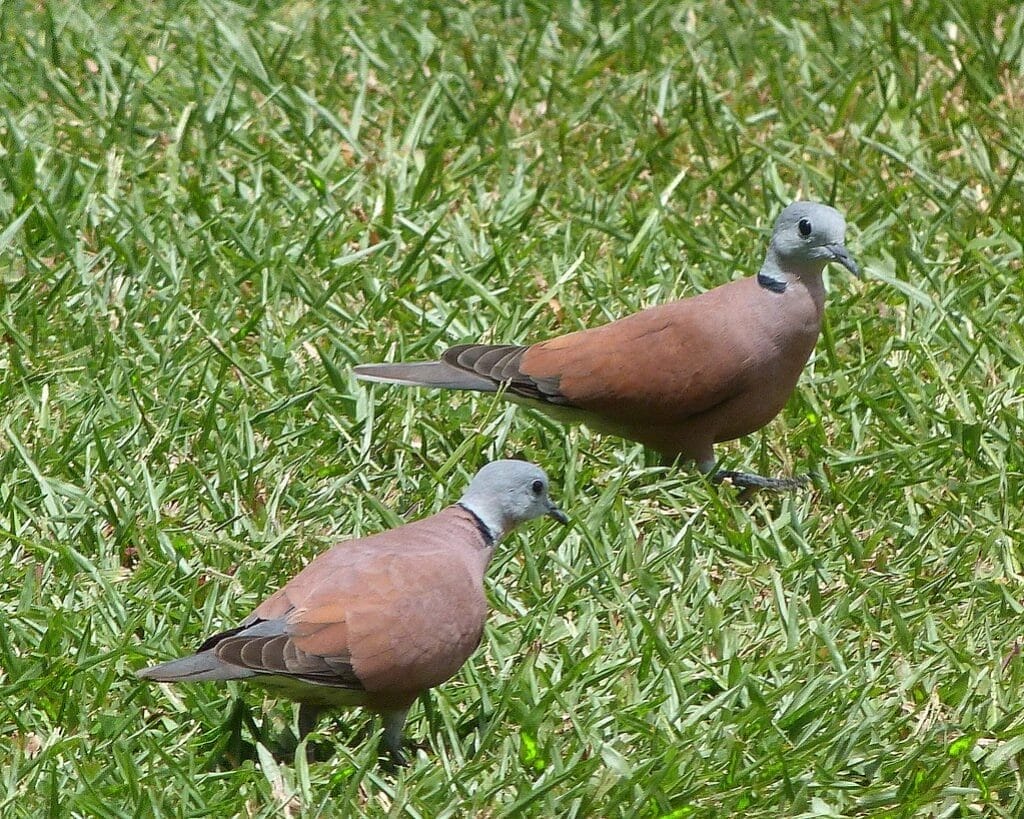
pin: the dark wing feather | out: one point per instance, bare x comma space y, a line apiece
268, 647
502, 364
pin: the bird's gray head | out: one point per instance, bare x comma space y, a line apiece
504, 494
806, 237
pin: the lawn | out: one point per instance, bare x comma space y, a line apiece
209, 212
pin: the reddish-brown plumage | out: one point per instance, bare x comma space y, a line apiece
404, 608
680, 377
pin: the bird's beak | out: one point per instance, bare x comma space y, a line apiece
841, 255
558, 514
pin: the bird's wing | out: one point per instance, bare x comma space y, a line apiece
403, 608
663, 364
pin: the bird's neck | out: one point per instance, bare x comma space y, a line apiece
780, 281
491, 528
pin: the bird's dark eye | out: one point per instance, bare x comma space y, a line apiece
537, 487
804, 226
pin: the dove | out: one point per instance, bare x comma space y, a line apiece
678, 377
376, 621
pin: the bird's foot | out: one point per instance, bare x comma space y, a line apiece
394, 759
749, 482
392, 739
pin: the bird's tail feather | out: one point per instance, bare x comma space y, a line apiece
426, 374
202, 666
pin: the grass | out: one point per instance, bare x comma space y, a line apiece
209, 212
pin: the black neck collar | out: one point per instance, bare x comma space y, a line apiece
770, 283
485, 533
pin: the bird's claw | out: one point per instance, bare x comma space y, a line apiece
748, 481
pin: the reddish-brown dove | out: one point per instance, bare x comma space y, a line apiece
378, 620
679, 377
